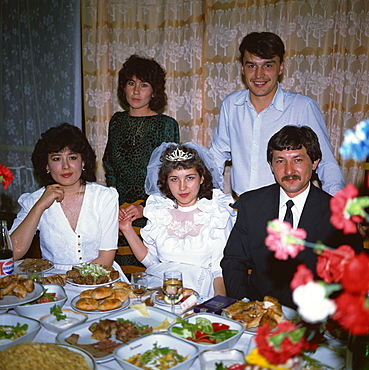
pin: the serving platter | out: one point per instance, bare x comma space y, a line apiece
12, 301
18, 270
71, 282
76, 298
288, 314
156, 316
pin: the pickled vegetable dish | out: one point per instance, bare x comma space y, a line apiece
203, 331
158, 358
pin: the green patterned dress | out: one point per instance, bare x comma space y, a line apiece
131, 141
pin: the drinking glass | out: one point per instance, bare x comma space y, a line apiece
172, 286
35, 273
139, 284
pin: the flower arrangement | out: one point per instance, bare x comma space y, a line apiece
281, 348
342, 292
340, 269
6, 176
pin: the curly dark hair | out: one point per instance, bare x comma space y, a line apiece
147, 70
292, 137
206, 188
54, 140
265, 45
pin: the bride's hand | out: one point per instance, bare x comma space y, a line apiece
124, 223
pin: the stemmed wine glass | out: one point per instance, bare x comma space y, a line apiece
172, 285
139, 284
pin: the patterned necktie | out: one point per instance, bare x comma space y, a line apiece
289, 216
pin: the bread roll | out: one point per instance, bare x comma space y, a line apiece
121, 285
101, 292
109, 304
120, 294
87, 304
86, 293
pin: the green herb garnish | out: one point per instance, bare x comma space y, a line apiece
57, 312
13, 332
220, 366
138, 326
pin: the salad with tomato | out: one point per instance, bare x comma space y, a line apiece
203, 331
45, 298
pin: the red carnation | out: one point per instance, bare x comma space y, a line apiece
6, 176
301, 277
287, 349
352, 314
340, 219
331, 263
355, 278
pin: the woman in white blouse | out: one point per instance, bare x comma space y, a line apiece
76, 217
188, 220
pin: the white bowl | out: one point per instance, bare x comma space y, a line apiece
229, 343
227, 357
73, 318
147, 342
38, 310
11, 319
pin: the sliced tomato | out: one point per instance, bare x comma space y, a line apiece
46, 299
206, 340
235, 367
219, 326
200, 334
201, 337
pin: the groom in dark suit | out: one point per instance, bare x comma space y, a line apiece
293, 154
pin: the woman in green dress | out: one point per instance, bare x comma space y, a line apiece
136, 132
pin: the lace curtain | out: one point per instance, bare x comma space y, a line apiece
41, 86
197, 43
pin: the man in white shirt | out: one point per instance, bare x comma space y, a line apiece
248, 118
293, 154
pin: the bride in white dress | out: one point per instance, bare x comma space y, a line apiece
189, 218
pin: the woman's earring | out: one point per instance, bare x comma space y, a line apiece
47, 171
83, 168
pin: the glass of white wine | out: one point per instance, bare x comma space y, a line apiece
139, 284
172, 286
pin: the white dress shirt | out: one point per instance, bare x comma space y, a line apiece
298, 201
242, 136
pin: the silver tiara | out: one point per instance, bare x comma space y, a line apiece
179, 155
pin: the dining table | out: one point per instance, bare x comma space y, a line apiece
332, 354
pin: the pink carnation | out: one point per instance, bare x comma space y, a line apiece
284, 240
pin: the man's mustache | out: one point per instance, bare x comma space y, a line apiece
291, 177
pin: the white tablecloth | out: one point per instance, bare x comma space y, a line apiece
245, 343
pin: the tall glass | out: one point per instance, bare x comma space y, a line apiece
139, 284
172, 286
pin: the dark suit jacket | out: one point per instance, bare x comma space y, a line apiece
246, 248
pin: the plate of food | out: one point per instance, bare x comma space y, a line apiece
100, 300
253, 314
96, 337
92, 275
46, 356
18, 329
17, 289
22, 266
160, 298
